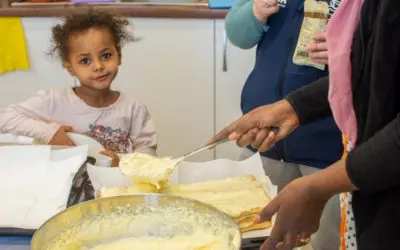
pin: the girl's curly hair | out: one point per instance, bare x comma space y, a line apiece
73, 24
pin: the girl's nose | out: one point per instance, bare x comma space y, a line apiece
98, 65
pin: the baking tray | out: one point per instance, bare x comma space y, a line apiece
252, 243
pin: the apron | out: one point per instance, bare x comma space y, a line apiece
347, 225
340, 33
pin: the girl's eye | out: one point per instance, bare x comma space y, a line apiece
106, 55
84, 61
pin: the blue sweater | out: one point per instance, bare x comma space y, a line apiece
274, 76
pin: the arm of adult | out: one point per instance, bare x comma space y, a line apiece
373, 165
268, 124
245, 23
311, 101
308, 195
371, 168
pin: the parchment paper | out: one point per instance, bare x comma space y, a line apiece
190, 172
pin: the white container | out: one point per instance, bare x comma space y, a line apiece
103, 161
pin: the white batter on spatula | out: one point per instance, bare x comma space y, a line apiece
146, 169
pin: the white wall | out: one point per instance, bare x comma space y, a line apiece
44, 73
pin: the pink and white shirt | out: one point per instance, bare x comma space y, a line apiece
125, 126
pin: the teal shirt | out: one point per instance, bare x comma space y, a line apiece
242, 27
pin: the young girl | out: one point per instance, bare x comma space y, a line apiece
89, 46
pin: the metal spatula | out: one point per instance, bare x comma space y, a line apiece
209, 146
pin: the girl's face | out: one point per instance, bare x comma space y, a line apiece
93, 58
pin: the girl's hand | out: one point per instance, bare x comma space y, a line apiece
60, 138
113, 156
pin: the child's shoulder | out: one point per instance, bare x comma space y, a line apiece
53, 93
129, 101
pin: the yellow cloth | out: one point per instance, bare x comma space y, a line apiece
13, 51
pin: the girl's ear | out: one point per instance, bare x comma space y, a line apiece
119, 56
68, 67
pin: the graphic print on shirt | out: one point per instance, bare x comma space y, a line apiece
282, 3
333, 5
115, 140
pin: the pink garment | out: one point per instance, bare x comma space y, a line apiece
340, 32
124, 126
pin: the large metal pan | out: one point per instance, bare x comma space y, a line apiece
109, 219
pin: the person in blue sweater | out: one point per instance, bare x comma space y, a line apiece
274, 27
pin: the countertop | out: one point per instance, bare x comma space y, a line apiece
23, 243
128, 10
15, 242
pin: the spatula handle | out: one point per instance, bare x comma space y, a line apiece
209, 146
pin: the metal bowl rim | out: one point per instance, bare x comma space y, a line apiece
82, 204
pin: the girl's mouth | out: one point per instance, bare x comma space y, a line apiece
102, 77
